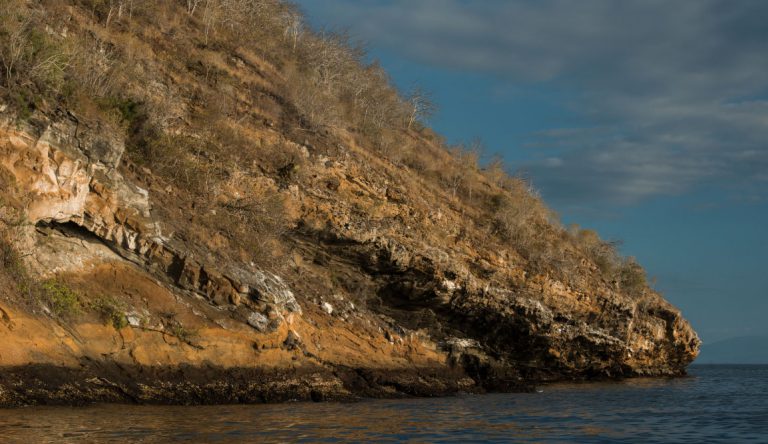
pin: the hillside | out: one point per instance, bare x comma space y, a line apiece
207, 202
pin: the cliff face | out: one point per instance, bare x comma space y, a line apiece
375, 280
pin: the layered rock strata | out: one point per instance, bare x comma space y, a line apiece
423, 320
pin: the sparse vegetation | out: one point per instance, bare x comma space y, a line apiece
183, 333
29, 57
632, 278
10, 260
624, 272
177, 329
194, 128
13, 272
60, 298
601, 253
111, 311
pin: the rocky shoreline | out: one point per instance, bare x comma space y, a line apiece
93, 383
191, 236
182, 385
199, 333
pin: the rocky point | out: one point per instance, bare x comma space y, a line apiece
133, 277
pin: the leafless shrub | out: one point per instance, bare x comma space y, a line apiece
420, 106
631, 277
461, 177
192, 6
626, 273
601, 253
95, 65
263, 214
187, 161
495, 172
116, 9
14, 29
517, 211
28, 55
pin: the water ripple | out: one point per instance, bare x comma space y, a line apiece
714, 404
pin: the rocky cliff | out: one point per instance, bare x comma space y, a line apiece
264, 257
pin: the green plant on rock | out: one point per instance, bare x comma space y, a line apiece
183, 333
176, 328
111, 311
60, 299
128, 110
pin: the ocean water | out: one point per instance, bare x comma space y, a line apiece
713, 404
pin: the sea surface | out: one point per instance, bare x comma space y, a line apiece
716, 403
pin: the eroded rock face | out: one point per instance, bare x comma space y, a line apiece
421, 312
537, 326
69, 178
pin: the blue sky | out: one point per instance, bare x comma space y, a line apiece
646, 120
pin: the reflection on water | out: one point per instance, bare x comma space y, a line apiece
717, 403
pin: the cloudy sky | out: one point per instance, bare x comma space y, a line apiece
647, 120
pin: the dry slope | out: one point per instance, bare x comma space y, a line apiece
221, 221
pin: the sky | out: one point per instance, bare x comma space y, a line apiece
646, 120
